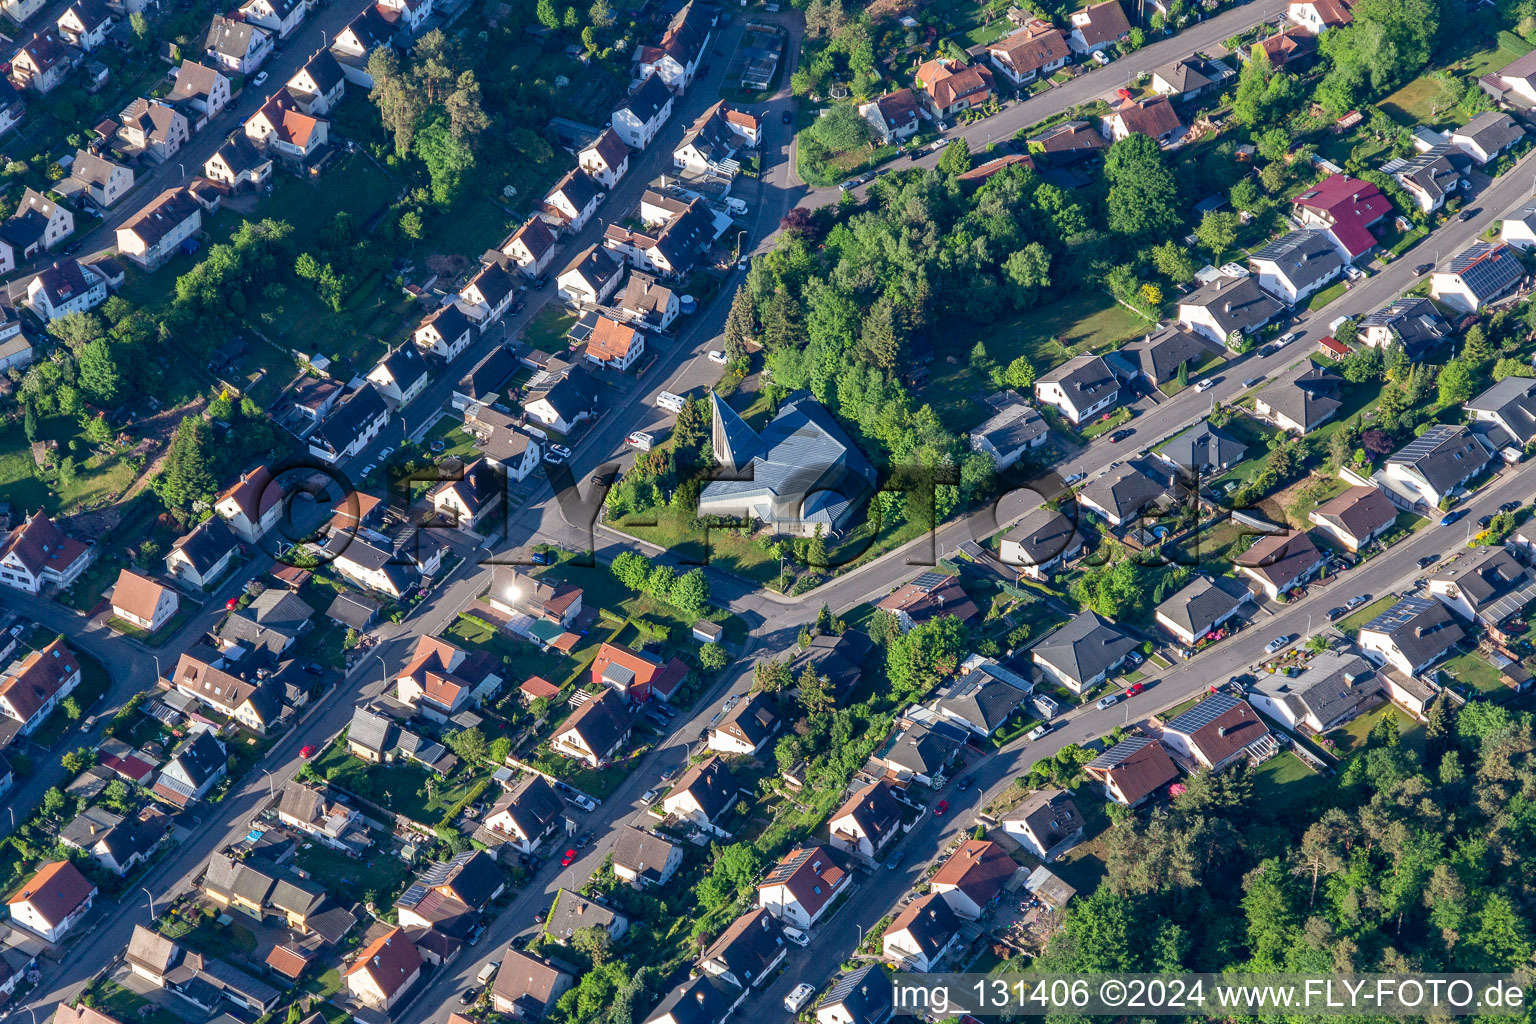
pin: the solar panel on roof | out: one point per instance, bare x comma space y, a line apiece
1404, 611
1204, 713
1424, 445
929, 580
1119, 753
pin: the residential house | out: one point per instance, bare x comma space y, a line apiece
1509, 406
559, 603
614, 345
572, 912
1218, 731
1132, 770
929, 596
252, 505
38, 223
590, 278
1153, 117
1518, 228
1355, 517
198, 765
33, 686
446, 332
323, 818
488, 295
1121, 496
13, 106
571, 202
113, 842
100, 179
1412, 635
1203, 452
527, 986
1014, 428
605, 159
1079, 389
412, 15
357, 421
531, 247
1487, 136
158, 231
1068, 142
284, 132
151, 955
1318, 16
800, 888
1334, 688
52, 901
1301, 398
1157, 358
318, 86
237, 46
400, 376
142, 602
1485, 586
279, 17
894, 116
747, 952
1047, 824
85, 24
1081, 653
271, 623
252, 705
1414, 323
674, 59
640, 117
200, 557
564, 402
1280, 562
596, 732
458, 887
385, 969
1040, 543
1437, 464
1038, 49
747, 728
38, 554
985, 698
863, 997
153, 129
1482, 273
648, 302
467, 501
1098, 26
838, 660
704, 999
1226, 307
202, 90
704, 796
483, 384
867, 821
42, 63
1296, 265
1190, 77
440, 680
923, 934
1431, 177
1344, 209
502, 443
1514, 83
238, 164
1294, 47
973, 877
645, 858
16, 348
525, 814
20, 10
950, 87
807, 474
353, 45
1201, 607
709, 146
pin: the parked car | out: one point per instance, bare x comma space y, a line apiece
650, 795
939, 808
1039, 731
1074, 478
307, 751
1428, 560
1251, 381
1468, 213
798, 997
894, 860
641, 440
585, 802
1509, 506
1108, 702
796, 936
1121, 435
487, 972
1335, 612
541, 281
468, 995
1356, 601
551, 459
1284, 340
717, 356
260, 79
1100, 58
1485, 522
1277, 643
1134, 689
543, 558
1422, 269
965, 783
560, 450
1205, 385
789, 116
569, 858
1452, 516
385, 452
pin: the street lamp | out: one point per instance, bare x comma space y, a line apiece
271, 786
151, 896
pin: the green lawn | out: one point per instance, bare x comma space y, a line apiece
377, 872
1285, 780
470, 631
600, 589
1475, 671
1355, 735
97, 480
122, 1004
1214, 546
547, 330
1424, 100
1327, 295
403, 787
720, 547
1084, 321
1350, 624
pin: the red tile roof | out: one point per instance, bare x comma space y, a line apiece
978, 869
135, 594
39, 545
255, 493
391, 960
55, 892
41, 675
1351, 206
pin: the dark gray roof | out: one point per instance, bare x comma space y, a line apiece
648, 100
1305, 393
1421, 628
1085, 646
710, 784
923, 749
405, 364
351, 415
1445, 456
1236, 304
601, 722
1513, 401
201, 757
1124, 492
489, 373
370, 729
1015, 425
704, 1000
644, 853
1492, 131
983, 700
1488, 269
1414, 322
571, 395
1085, 378
532, 805
1203, 447
355, 610
573, 911
1492, 580
210, 541
1160, 355
748, 946
865, 995
1051, 816
929, 921
1044, 534
1334, 686
1198, 606
1303, 257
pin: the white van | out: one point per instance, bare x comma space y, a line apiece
796, 936
670, 402
797, 999
487, 972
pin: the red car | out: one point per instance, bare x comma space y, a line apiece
306, 751
1134, 689
568, 859
230, 604
939, 808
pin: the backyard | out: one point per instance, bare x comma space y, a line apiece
1350, 624
378, 872
403, 787
1475, 671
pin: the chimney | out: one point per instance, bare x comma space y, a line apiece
1227, 307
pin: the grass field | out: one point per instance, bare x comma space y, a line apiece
403, 787
719, 547
1475, 671
1426, 101
1284, 780
1350, 624
547, 330
96, 477
1355, 734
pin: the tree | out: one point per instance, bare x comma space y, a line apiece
1509, 366
878, 340
1174, 262
446, 158
1020, 374
499, 750
956, 158
400, 104
739, 325
690, 594
99, 376
632, 569
53, 801
1029, 270
1456, 383
548, 15
923, 656
467, 119
1143, 195
840, 129
712, 657
1217, 231
813, 693
771, 675
29, 421
187, 474
141, 30
71, 708
469, 744
660, 582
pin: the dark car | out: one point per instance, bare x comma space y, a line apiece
1428, 560
314, 668
541, 281
915, 154
1451, 517
519, 941
541, 917
1422, 269
1267, 350
1251, 381
1468, 213
789, 116
543, 558
965, 783
1485, 522
517, 307
1509, 506
1121, 435
467, 997
1334, 613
